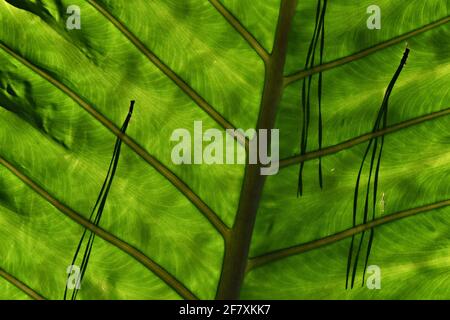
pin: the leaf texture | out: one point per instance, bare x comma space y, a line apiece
166, 229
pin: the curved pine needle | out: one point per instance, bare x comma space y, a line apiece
92, 213
319, 31
380, 124
355, 211
100, 203
305, 101
349, 260
366, 262
355, 265
320, 124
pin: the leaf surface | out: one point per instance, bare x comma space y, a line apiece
163, 233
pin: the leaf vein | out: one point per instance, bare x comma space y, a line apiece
361, 54
237, 25
200, 101
308, 246
156, 164
21, 285
159, 271
361, 139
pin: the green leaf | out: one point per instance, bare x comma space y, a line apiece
220, 231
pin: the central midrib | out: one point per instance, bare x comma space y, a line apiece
237, 247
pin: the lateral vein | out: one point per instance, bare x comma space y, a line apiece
200, 101
360, 139
361, 54
21, 285
164, 275
237, 25
156, 164
308, 246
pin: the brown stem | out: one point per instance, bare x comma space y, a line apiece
236, 253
